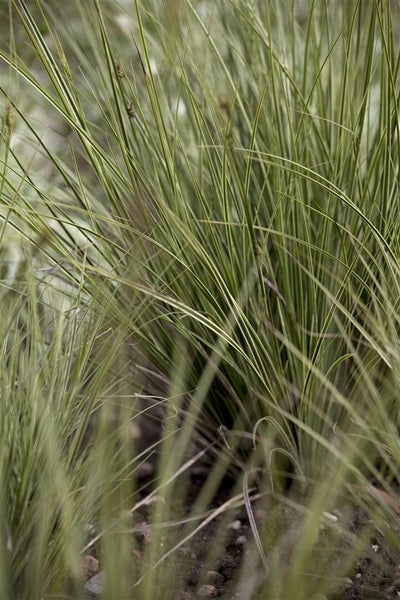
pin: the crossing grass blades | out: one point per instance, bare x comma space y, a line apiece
199, 299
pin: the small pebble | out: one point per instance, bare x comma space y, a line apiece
207, 591
145, 471
241, 540
95, 585
135, 431
215, 577
235, 525
90, 566
330, 516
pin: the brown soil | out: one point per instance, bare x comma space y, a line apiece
236, 573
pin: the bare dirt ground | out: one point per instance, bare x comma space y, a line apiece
236, 572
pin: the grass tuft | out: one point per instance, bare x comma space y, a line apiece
198, 208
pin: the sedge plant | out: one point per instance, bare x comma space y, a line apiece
216, 226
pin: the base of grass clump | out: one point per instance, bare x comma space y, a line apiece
340, 554
203, 202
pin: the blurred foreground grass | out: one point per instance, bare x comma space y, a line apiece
199, 203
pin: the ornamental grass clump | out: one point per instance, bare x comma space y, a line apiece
199, 207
